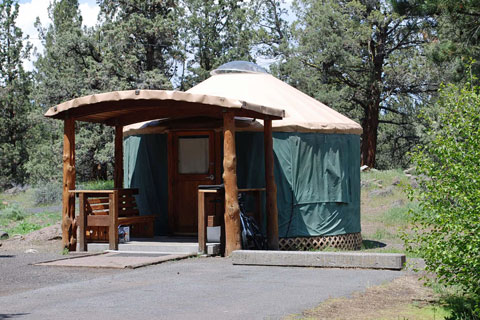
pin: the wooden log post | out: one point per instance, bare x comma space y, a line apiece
232, 210
118, 173
69, 232
82, 223
271, 188
113, 216
202, 224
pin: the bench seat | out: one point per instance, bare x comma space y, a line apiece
142, 226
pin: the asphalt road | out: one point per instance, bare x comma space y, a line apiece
198, 288
17, 274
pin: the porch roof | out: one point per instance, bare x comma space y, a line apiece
120, 108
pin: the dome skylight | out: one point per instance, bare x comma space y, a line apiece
238, 67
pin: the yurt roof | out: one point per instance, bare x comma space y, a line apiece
245, 81
302, 112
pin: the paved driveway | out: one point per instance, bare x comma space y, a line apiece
198, 288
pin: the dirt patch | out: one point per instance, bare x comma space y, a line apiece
45, 234
395, 300
44, 240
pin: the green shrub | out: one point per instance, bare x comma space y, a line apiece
446, 225
96, 185
47, 193
13, 212
460, 307
23, 227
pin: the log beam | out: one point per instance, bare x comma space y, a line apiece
69, 232
232, 210
118, 173
271, 188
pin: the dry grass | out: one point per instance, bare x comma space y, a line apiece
403, 298
384, 216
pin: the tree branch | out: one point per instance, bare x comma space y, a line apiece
393, 110
360, 102
473, 14
393, 122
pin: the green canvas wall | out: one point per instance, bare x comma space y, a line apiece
146, 168
317, 177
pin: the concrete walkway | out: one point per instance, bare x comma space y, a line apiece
197, 288
115, 260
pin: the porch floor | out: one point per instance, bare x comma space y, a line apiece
159, 244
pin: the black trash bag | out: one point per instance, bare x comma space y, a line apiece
252, 238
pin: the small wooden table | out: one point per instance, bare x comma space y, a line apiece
203, 217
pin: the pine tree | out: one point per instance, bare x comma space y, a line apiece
361, 58
457, 39
15, 86
70, 67
215, 32
139, 42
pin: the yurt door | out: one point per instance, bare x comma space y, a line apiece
193, 165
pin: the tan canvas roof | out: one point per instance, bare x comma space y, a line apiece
127, 107
302, 112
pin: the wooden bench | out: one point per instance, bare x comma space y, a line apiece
102, 211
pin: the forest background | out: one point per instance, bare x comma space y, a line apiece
379, 62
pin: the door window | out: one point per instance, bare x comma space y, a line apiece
193, 154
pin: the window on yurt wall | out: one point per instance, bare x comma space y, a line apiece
193, 154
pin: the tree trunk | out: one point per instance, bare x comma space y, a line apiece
369, 136
370, 120
150, 54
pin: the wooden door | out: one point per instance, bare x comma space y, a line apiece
193, 155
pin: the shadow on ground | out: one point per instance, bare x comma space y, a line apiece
372, 244
11, 315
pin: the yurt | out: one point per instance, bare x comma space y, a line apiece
316, 162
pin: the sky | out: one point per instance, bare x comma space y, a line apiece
31, 9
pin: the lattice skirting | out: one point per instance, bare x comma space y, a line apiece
349, 241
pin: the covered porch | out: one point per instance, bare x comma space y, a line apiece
122, 108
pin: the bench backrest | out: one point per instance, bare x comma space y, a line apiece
98, 204
127, 206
